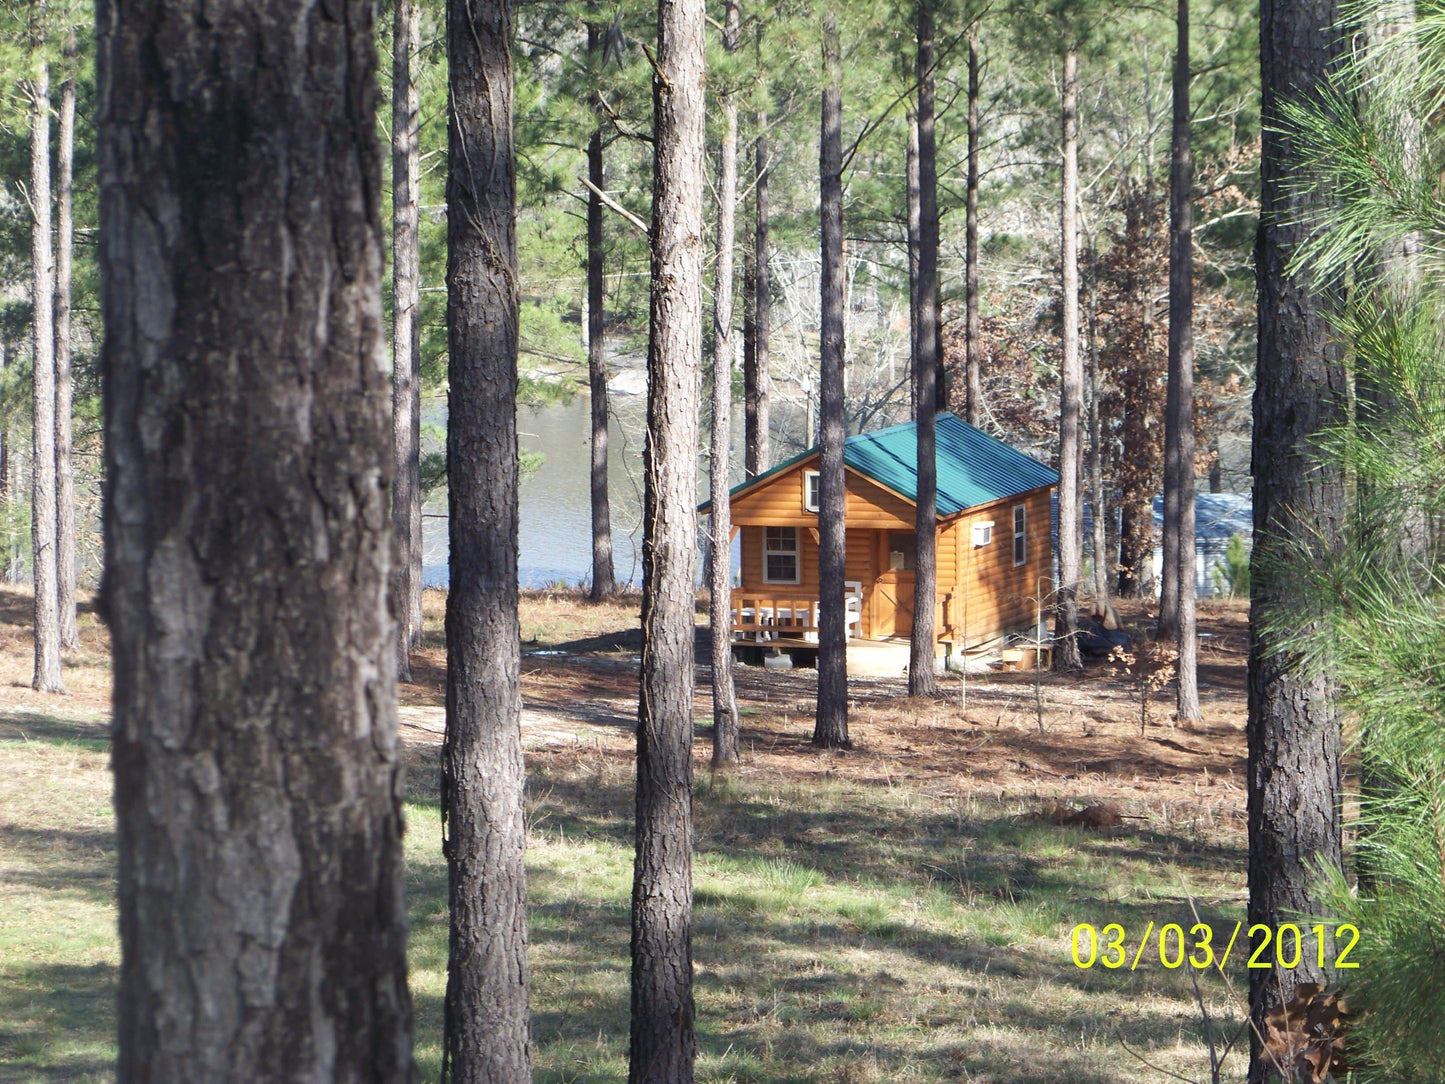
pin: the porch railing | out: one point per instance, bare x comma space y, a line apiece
762, 617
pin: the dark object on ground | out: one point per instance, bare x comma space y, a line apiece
1097, 640
1091, 816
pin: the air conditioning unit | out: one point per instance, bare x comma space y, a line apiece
983, 533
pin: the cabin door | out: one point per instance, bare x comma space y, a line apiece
893, 592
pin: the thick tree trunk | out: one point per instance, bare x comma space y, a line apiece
973, 403
406, 332
724, 702
1066, 622
830, 728
1294, 733
64, 250
248, 546
663, 1047
486, 1030
1179, 444
921, 679
756, 379
603, 582
47, 676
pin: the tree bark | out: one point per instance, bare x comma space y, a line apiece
973, 403
64, 251
922, 681
604, 583
47, 677
750, 341
486, 1029
830, 729
1179, 443
663, 1047
248, 546
914, 228
1293, 732
1100, 518
6, 466
757, 439
1066, 622
406, 332
724, 703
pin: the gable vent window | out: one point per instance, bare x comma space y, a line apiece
811, 490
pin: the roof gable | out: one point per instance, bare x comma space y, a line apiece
973, 468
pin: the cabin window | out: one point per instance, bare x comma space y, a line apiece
902, 551
780, 555
1021, 547
811, 490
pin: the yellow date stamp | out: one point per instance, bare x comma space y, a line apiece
1284, 945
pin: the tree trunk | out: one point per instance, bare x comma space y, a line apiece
921, 679
830, 729
1293, 733
406, 332
724, 702
750, 341
914, 228
248, 546
64, 250
486, 1031
973, 403
1136, 547
1180, 442
6, 466
603, 582
1066, 623
758, 443
47, 676
663, 1047
1099, 520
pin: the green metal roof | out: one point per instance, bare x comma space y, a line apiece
973, 467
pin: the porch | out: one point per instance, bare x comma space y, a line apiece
762, 617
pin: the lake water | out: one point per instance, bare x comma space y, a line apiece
555, 533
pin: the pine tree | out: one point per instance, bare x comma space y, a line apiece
724, 701
1294, 738
48, 677
922, 681
830, 728
487, 1030
406, 330
663, 1047
248, 546
1366, 613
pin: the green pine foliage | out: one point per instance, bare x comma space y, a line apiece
1373, 614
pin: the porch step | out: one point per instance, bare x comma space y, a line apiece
877, 658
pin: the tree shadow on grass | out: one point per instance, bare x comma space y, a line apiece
57, 1022
28, 726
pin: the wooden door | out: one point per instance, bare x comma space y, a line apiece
893, 604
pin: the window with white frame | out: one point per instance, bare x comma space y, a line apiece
810, 490
1021, 546
780, 555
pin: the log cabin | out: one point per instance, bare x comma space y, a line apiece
994, 553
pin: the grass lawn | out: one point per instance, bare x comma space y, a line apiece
901, 912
